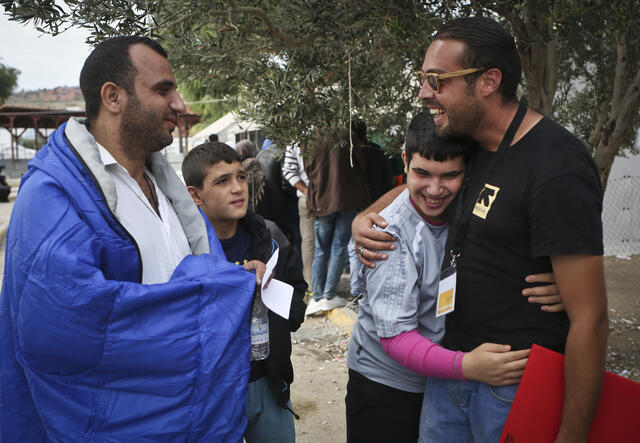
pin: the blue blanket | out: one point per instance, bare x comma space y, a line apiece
87, 353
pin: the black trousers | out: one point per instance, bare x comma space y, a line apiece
378, 413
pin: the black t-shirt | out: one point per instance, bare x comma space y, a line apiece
543, 199
238, 251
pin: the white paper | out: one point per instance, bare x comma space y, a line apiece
277, 296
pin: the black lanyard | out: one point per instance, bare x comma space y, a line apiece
462, 217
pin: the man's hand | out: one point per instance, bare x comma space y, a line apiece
301, 187
495, 364
546, 295
259, 268
368, 240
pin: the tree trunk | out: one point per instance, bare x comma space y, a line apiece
537, 48
623, 106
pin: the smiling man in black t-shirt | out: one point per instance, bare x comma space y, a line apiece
533, 205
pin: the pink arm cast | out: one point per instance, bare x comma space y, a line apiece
421, 355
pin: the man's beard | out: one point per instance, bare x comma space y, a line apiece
139, 130
463, 118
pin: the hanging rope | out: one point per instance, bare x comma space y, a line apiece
350, 107
147, 19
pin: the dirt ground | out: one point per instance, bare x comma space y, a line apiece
319, 351
317, 394
623, 292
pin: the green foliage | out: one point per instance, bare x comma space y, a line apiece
210, 105
8, 81
588, 31
300, 68
287, 63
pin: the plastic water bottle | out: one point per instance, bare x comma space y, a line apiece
259, 330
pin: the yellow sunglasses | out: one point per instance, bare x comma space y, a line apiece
433, 78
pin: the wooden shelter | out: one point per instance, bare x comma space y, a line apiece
17, 119
185, 122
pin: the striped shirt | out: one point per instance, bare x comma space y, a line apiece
293, 168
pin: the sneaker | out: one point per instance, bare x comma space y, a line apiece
335, 302
314, 307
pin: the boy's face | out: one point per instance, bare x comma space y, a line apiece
433, 184
224, 193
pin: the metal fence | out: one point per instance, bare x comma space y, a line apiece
621, 216
621, 224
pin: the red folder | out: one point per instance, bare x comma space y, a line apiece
537, 408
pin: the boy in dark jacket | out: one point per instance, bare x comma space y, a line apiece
217, 183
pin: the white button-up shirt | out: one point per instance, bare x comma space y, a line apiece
161, 239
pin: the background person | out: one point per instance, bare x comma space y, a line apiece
377, 175
5, 188
337, 190
279, 202
246, 149
293, 171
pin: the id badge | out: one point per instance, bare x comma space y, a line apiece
446, 291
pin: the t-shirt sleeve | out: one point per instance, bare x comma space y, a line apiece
566, 208
393, 292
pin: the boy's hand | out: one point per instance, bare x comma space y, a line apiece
494, 364
259, 268
546, 295
368, 240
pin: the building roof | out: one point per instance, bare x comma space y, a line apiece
24, 117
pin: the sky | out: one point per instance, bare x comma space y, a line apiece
44, 61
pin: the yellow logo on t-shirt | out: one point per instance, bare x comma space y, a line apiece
485, 200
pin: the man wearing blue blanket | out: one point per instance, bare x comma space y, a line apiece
120, 318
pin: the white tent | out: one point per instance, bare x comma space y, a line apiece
227, 127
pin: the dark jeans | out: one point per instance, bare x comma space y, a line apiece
380, 413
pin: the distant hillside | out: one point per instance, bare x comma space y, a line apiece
62, 97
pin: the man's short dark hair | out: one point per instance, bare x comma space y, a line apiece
488, 45
196, 162
110, 62
422, 139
